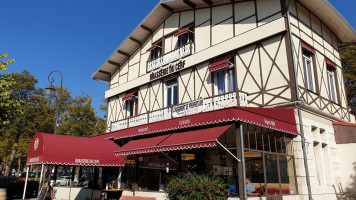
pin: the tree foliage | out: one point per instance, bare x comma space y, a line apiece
77, 117
348, 60
8, 104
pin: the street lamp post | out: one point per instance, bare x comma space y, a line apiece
50, 90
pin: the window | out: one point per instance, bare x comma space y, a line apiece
308, 70
131, 107
269, 160
171, 92
224, 80
331, 81
156, 50
185, 36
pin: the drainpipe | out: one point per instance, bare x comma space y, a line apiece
299, 107
243, 160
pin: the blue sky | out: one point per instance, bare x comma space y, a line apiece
76, 37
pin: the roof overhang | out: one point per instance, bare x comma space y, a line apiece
321, 8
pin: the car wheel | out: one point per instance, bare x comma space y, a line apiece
58, 184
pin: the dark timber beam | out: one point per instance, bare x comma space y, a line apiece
147, 29
208, 2
167, 7
123, 53
135, 40
114, 63
105, 72
189, 3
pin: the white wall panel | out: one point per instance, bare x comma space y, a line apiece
245, 25
135, 57
303, 14
267, 8
221, 13
201, 16
146, 45
202, 37
133, 71
222, 32
171, 24
158, 34
203, 81
186, 18
244, 10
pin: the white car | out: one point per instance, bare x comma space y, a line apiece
62, 181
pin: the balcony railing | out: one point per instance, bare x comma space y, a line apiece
190, 108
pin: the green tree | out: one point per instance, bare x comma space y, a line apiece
22, 91
80, 119
348, 61
8, 104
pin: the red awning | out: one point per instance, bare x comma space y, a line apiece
142, 145
177, 141
330, 63
70, 150
154, 45
279, 119
307, 47
216, 65
182, 31
128, 96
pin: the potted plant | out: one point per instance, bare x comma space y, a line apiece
194, 186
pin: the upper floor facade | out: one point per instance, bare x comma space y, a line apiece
188, 57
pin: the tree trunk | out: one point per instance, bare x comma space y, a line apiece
18, 166
8, 166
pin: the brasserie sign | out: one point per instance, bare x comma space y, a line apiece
170, 57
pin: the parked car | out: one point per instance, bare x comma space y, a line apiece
4, 180
32, 175
62, 181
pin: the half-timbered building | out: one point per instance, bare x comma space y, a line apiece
241, 88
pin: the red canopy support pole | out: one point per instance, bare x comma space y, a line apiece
24, 189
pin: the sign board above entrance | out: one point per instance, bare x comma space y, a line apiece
170, 57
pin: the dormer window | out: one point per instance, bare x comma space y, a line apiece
156, 50
185, 36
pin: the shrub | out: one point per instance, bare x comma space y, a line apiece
194, 186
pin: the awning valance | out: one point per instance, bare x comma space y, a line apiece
128, 96
216, 65
307, 47
330, 63
177, 141
70, 150
279, 119
182, 31
154, 46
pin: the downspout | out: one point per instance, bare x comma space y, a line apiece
299, 107
243, 160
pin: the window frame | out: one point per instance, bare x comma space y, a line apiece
308, 57
229, 75
250, 136
189, 34
330, 72
172, 87
157, 51
131, 107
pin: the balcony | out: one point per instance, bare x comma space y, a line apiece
190, 108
